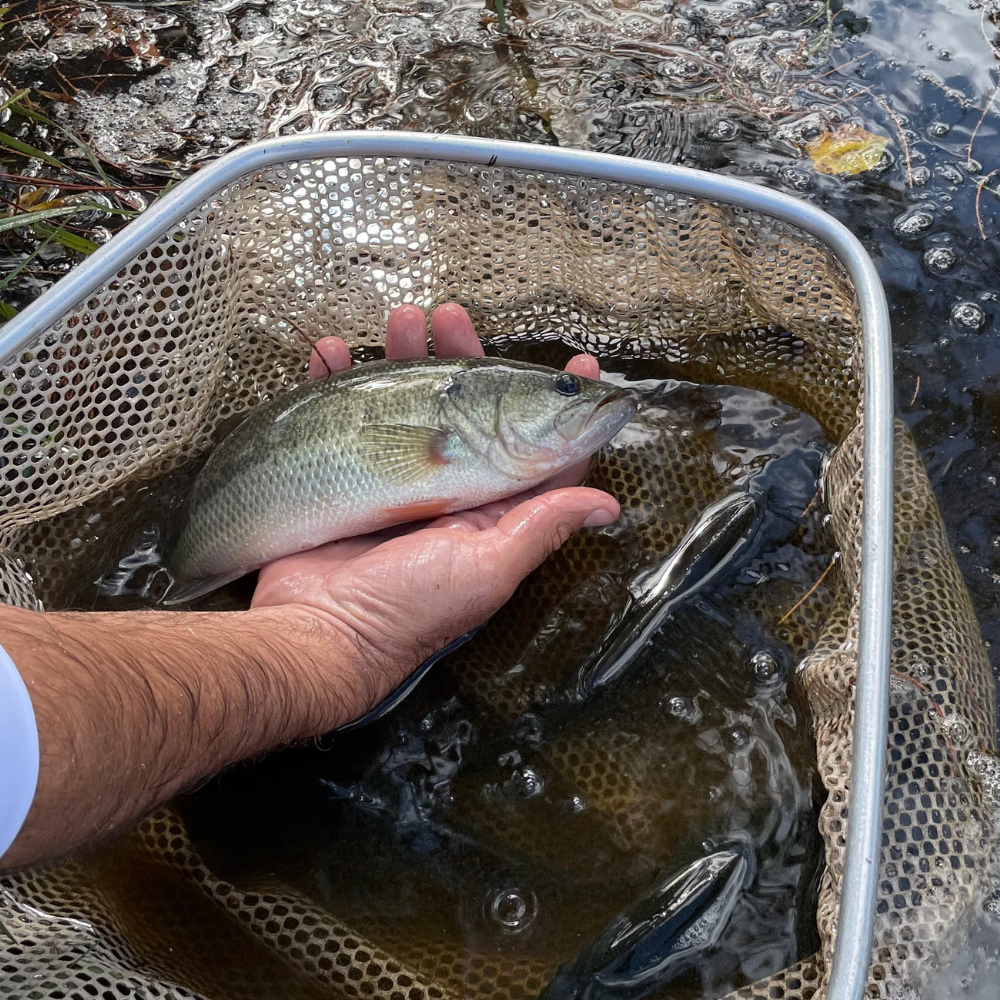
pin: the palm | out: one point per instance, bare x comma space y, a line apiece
403, 594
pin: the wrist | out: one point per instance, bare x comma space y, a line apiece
134, 708
321, 665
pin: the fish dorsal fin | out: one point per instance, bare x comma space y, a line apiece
401, 453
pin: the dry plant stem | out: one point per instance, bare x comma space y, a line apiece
935, 701
308, 341
899, 131
812, 590
982, 24
128, 716
809, 506
915, 391
975, 131
979, 194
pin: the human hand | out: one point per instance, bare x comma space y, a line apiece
137, 706
399, 596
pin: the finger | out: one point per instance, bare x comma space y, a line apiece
406, 334
454, 336
329, 355
529, 533
584, 365
572, 476
480, 518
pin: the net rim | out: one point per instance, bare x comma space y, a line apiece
848, 976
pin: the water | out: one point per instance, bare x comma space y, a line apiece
737, 87
495, 816
498, 812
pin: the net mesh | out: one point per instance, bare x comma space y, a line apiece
217, 316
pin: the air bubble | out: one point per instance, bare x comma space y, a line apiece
685, 709
528, 783
913, 223
432, 87
950, 173
969, 315
252, 25
920, 176
737, 738
513, 909
958, 731
723, 130
940, 259
938, 129
800, 180
764, 666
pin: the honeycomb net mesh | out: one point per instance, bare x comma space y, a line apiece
217, 316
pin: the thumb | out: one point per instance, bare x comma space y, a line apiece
533, 530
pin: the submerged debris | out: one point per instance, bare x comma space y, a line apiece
848, 149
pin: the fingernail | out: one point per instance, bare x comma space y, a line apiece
599, 518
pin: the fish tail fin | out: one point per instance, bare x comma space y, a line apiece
189, 591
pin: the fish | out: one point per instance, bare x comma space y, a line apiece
680, 917
378, 445
719, 538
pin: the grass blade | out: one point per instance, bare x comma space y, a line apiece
31, 218
15, 98
87, 152
25, 150
4, 282
36, 116
69, 240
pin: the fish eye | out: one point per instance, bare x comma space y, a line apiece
567, 385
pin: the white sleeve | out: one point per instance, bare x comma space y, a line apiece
18, 752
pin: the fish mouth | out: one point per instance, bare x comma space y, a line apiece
614, 396
588, 428
611, 414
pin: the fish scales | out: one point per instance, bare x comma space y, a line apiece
384, 444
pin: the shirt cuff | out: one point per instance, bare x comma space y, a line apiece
18, 752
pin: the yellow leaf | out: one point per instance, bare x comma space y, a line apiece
846, 150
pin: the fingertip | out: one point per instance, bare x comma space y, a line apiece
329, 354
573, 503
584, 365
406, 334
600, 517
453, 332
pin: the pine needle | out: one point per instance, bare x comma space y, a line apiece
812, 590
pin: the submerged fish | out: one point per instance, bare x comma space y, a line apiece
383, 444
712, 547
662, 934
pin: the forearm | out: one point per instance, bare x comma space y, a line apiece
134, 708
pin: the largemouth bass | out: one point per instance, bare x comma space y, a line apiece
379, 445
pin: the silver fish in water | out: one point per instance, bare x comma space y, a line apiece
383, 444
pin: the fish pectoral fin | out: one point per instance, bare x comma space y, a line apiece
405, 454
